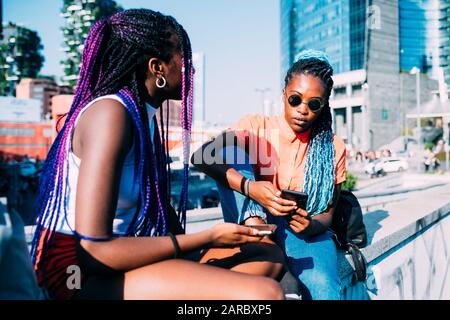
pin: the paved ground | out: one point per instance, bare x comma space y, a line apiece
410, 178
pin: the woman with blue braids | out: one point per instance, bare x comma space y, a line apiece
295, 151
105, 226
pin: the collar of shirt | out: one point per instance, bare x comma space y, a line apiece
290, 134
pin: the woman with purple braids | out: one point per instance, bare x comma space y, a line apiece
105, 227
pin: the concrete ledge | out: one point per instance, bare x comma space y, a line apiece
200, 215
407, 254
389, 231
383, 245
381, 240
404, 219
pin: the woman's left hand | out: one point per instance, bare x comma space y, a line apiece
299, 221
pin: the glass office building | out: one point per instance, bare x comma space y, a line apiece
444, 33
357, 31
288, 24
335, 27
368, 42
339, 29
419, 35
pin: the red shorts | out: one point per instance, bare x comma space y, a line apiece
63, 258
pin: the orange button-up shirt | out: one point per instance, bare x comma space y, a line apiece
278, 153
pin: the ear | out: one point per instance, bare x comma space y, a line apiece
283, 94
156, 67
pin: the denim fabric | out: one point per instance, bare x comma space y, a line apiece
312, 260
235, 206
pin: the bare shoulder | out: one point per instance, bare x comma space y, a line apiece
105, 110
105, 125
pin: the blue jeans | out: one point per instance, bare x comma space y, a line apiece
312, 260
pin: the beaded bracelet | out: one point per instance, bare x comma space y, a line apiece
247, 184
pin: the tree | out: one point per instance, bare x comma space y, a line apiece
3, 68
350, 182
20, 56
80, 15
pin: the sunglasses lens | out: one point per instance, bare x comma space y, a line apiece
314, 105
294, 101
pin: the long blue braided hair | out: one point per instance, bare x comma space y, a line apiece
320, 161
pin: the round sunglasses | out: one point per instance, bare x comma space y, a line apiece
314, 104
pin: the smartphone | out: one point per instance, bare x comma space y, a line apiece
300, 198
264, 229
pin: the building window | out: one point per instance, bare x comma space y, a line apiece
356, 89
339, 92
17, 132
47, 132
384, 114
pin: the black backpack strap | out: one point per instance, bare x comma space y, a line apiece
337, 242
358, 261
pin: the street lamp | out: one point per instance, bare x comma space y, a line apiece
416, 71
365, 114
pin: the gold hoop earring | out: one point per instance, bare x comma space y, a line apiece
164, 82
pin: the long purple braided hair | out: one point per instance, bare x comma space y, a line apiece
115, 58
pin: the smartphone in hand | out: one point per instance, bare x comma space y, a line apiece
264, 229
300, 198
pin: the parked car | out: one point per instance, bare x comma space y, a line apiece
394, 164
386, 165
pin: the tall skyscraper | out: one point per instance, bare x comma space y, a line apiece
288, 15
444, 35
339, 29
199, 115
79, 16
372, 45
20, 56
419, 36
335, 27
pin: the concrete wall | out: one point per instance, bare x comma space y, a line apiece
408, 251
408, 254
416, 269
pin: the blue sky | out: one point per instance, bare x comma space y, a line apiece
240, 39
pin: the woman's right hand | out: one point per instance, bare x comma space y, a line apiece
231, 234
267, 195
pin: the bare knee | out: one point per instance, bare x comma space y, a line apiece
264, 289
271, 290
